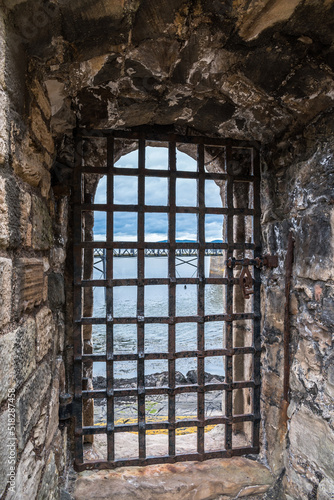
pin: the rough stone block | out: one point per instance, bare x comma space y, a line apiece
46, 288
25, 208
45, 332
31, 165
49, 485
4, 230
59, 445
314, 247
40, 429
56, 290
275, 434
30, 283
41, 98
25, 351
28, 475
274, 312
29, 403
58, 256
9, 213
4, 126
314, 330
7, 373
42, 236
61, 331
330, 380
272, 388
53, 412
220, 478
298, 486
325, 490
309, 362
2, 50
328, 312
5, 291
318, 448
41, 130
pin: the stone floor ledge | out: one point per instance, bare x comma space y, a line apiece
217, 479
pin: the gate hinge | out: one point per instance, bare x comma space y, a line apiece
65, 409
270, 261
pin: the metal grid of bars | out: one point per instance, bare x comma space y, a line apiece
230, 316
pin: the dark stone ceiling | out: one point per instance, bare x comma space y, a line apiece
246, 69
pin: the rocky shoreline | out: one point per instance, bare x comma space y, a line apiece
158, 380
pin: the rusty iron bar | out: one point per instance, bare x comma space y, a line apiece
288, 276
269, 261
228, 351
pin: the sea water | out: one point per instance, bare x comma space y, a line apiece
156, 305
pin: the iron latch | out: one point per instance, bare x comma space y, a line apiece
246, 282
245, 278
65, 409
270, 261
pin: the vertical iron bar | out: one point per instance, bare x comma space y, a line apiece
229, 301
109, 304
172, 292
140, 300
200, 301
77, 300
257, 297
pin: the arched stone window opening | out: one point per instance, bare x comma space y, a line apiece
234, 424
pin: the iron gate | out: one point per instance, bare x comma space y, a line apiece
234, 166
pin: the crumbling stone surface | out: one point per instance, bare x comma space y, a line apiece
45, 331
219, 478
319, 445
30, 283
24, 351
27, 332
56, 290
7, 367
28, 475
9, 213
48, 489
5, 290
28, 406
42, 236
302, 203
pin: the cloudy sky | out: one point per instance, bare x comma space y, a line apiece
156, 193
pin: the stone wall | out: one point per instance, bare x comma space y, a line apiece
32, 253
298, 195
201, 73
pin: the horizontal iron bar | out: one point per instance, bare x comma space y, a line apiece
166, 355
178, 424
268, 261
167, 320
80, 466
163, 245
180, 174
90, 207
156, 281
150, 172
180, 389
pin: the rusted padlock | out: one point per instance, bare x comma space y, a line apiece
246, 282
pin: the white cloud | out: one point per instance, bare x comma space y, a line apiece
156, 193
